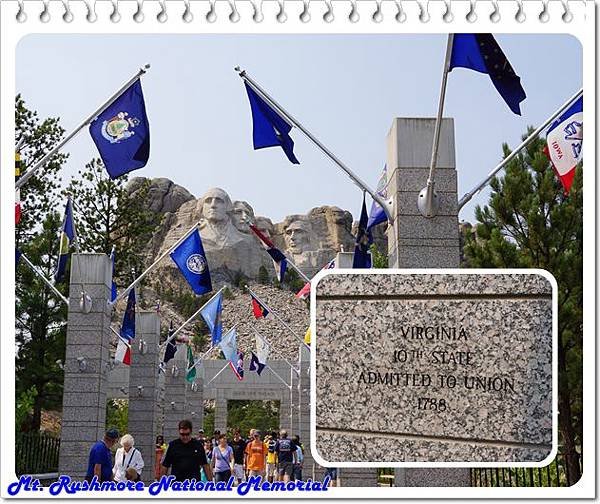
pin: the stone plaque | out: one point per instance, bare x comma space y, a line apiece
420, 367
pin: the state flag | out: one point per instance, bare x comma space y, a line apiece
364, 239
171, 348
304, 293
122, 133
278, 257
481, 52
255, 364
191, 261
564, 143
68, 238
123, 352
113, 288
378, 215
128, 325
258, 309
211, 313
190, 374
269, 129
238, 366
18, 169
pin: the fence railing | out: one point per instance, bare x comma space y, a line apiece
36, 453
554, 474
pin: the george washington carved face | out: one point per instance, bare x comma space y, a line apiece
216, 204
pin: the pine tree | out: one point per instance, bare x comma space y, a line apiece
106, 214
530, 223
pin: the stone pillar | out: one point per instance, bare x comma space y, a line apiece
415, 241
194, 404
304, 411
220, 412
357, 477
174, 403
86, 363
143, 390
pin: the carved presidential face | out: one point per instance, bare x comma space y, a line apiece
215, 205
297, 237
242, 216
265, 226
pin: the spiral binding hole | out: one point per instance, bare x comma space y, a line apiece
354, 16
45, 14
328, 17
162, 16
211, 15
115, 16
424, 16
400, 15
91, 15
567, 16
234, 15
187, 16
68, 15
495, 15
448, 17
257, 15
21, 16
378, 15
139, 16
472, 15
520, 15
305, 14
281, 15
544, 16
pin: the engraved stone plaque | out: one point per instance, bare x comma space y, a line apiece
420, 367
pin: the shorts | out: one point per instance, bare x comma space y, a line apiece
222, 475
254, 472
286, 468
271, 470
238, 472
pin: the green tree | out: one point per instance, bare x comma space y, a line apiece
263, 275
529, 222
117, 414
246, 415
40, 324
107, 214
380, 259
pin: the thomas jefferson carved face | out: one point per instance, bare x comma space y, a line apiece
216, 204
297, 237
242, 216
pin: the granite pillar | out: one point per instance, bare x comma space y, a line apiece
194, 404
415, 241
304, 410
220, 412
143, 380
86, 363
174, 402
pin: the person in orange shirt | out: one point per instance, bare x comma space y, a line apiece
256, 454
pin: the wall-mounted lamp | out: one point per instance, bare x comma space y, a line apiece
194, 387
85, 302
193, 414
143, 347
174, 371
82, 364
172, 405
140, 390
60, 364
124, 391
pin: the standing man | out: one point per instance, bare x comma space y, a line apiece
238, 445
185, 456
299, 459
286, 454
100, 459
271, 442
256, 454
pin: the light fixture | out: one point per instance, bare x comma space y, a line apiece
82, 364
174, 371
124, 391
172, 405
140, 390
143, 347
193, 414
194, 387
85, 302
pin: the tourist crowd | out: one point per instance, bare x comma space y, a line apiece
273, 456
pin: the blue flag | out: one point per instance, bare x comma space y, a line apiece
255, 364
228, 345
481, 52
269, 129
171, 346
67, 239
17, 256
122, 133
113, 289
191, 261
364, 239
128, 326
377, 213
211, 313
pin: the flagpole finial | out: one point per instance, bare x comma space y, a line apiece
240, 71
146, 67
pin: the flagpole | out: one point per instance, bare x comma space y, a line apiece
170, 338
293, 122
428, 202
153, 265
304, 277
279, 377
276, 316
212, 347
217, 375
42, 162
279, 354
44, 279
467, 197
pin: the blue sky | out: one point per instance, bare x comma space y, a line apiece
345, 89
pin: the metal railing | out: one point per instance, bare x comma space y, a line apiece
36, 453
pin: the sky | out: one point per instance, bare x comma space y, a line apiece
345, 89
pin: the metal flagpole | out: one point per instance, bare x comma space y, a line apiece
190, 319
212, 348
153, 265
278, 377
215, 377
291, 401
279, 354
42, 162
304, 277
44, 279
428, 202
467, 197
293, 122
276, 316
